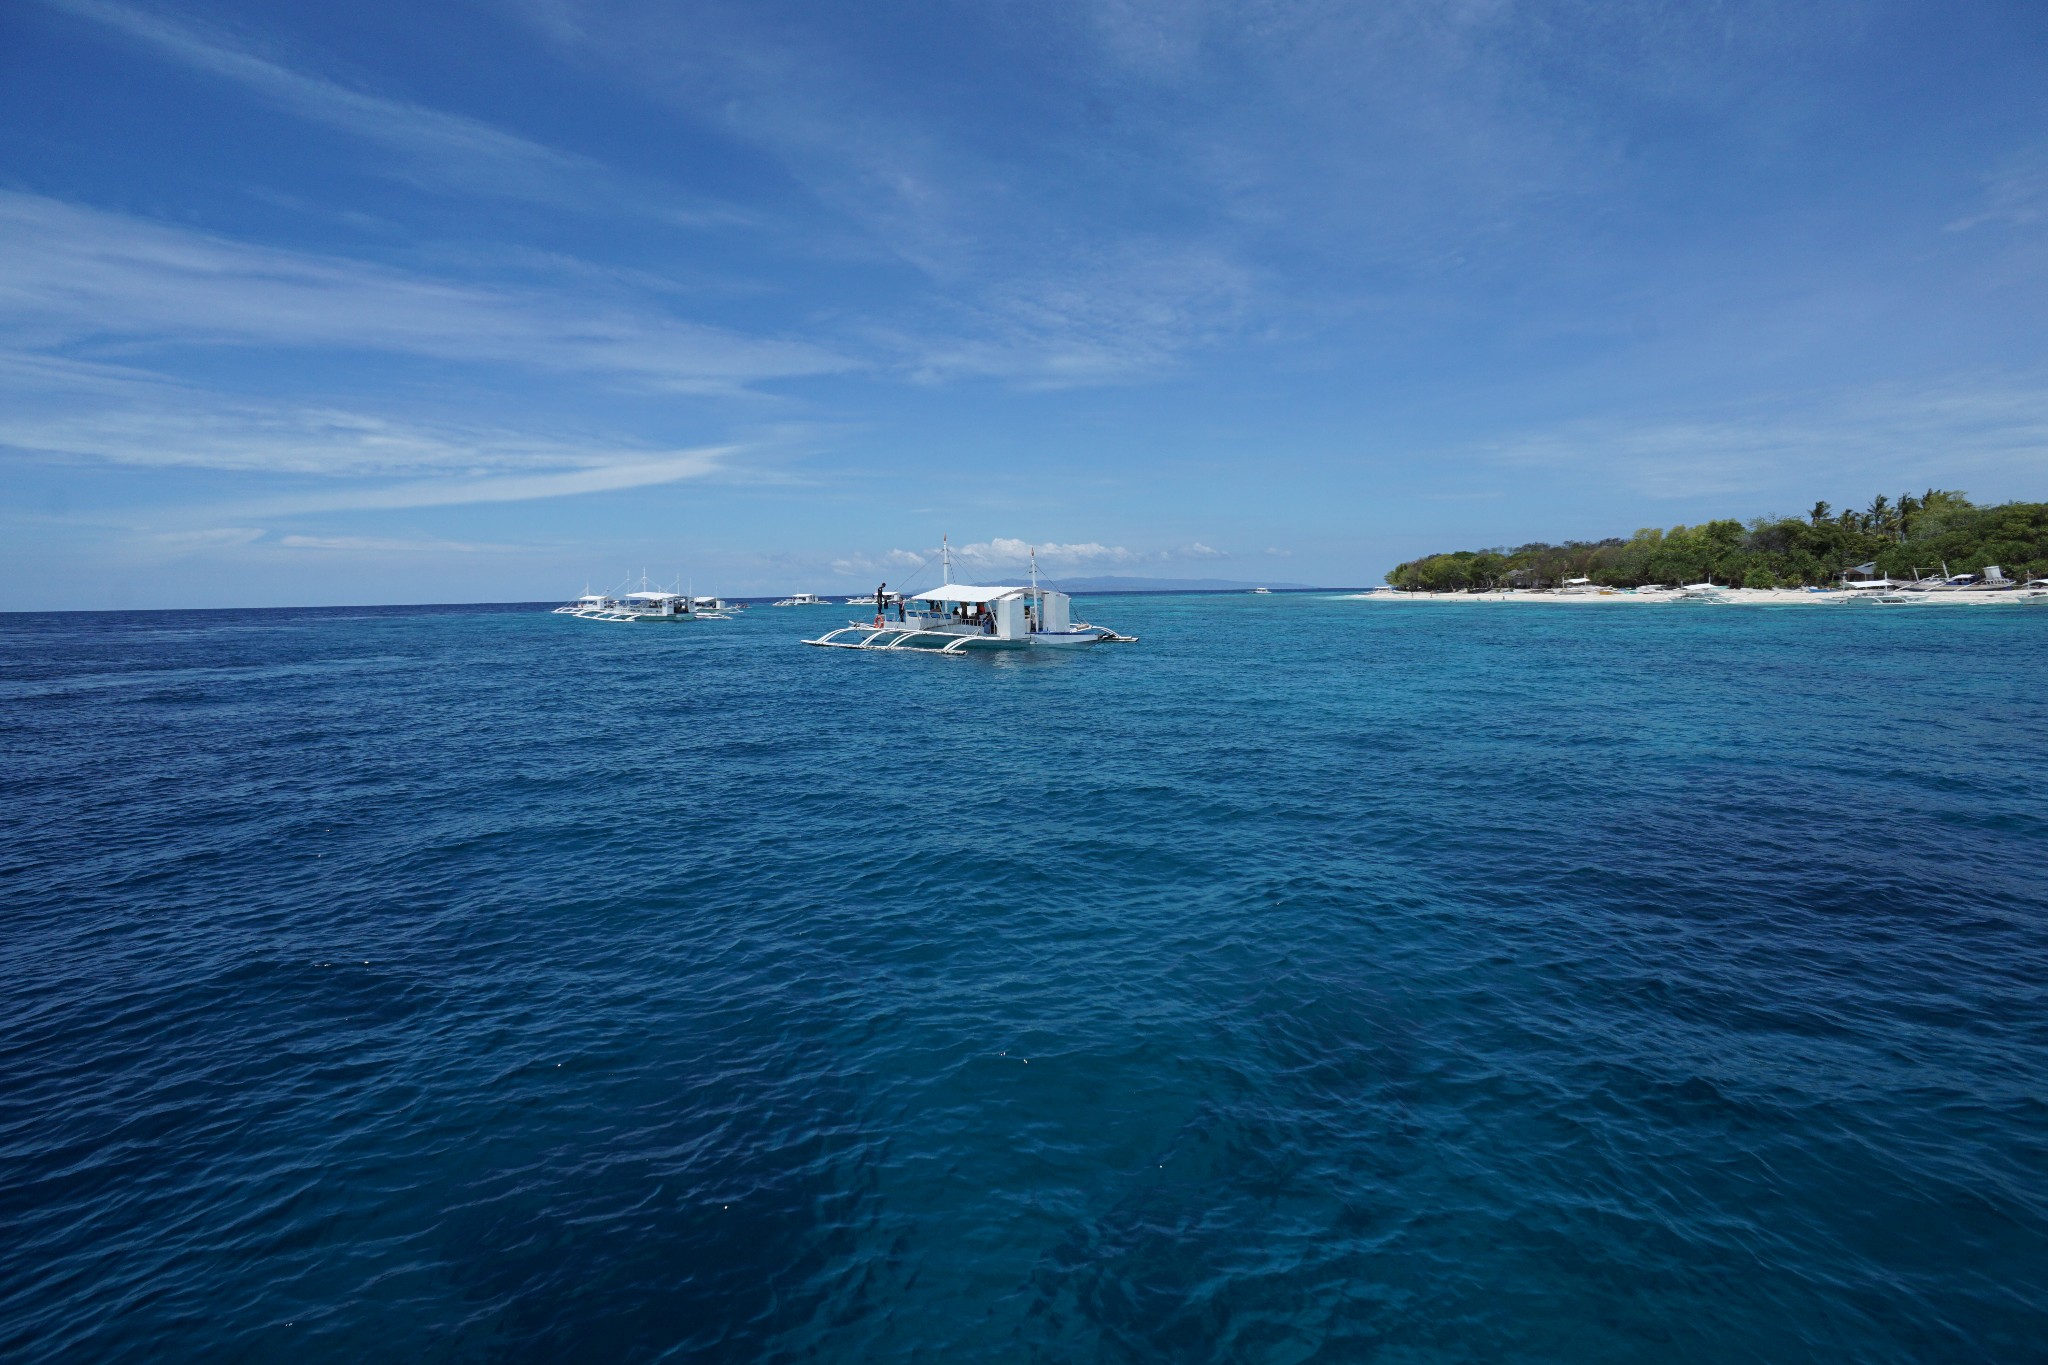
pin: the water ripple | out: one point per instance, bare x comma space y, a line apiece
1319, 980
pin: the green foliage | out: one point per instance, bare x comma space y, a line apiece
1924, 533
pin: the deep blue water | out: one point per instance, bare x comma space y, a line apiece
1314, 981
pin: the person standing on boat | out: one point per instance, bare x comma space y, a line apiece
881, 596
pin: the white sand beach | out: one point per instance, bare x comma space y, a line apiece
1740, 597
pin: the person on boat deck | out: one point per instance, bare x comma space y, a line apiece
983, 619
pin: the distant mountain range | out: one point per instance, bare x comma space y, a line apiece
1169, 585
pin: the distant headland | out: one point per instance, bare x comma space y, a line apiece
1937, 532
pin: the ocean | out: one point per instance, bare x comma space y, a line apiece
1315, 980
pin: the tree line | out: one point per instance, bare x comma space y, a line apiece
1921, 535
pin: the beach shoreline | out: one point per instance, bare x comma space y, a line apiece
1752, 597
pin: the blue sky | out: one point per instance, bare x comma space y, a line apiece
485, 301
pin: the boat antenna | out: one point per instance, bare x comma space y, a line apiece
1037, 597
946, 559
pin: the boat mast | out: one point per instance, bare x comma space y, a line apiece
946, 559
1037, 597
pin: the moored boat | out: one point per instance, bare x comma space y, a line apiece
955, 618
647, 606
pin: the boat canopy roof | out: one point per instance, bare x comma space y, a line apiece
965, 592
652, 596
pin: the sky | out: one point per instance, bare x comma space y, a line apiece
496, 300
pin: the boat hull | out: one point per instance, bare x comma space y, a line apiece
627, 618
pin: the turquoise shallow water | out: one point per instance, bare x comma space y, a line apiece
1313, 981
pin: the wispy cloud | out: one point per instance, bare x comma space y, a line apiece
2016, 195
430, 149
54, 409
645, 472
71, 275
1025, 279
210, 538
1878, 436
383, 545
1197, 551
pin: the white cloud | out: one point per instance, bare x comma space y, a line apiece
1007, 552
196, 430
70, 275
1276, 552
1000, 553
71, 411
647, 471
1198, 551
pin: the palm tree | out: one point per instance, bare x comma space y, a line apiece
1820, 512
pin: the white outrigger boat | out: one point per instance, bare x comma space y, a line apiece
803, 599
956, 618
647, 605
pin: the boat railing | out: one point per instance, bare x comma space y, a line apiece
897, 638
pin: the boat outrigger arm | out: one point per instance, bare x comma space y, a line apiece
959, 618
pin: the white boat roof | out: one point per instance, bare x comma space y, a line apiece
965, 592
651, 596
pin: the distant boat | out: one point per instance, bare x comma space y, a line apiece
648, 605
1262, 592
803, 599
659, 608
